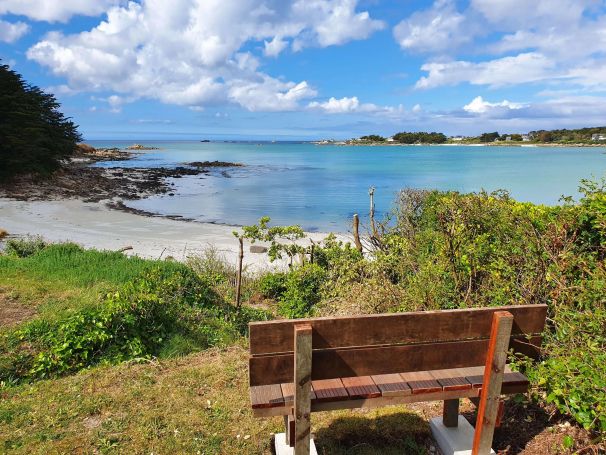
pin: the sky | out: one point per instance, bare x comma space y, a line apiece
311, 69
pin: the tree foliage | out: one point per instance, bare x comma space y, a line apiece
420, 138
34, 135
372, 138
489, 137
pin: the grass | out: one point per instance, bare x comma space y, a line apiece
195, 404
65, 277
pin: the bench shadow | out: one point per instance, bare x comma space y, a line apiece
394, 433
522, 422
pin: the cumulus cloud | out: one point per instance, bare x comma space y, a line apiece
12, 31
560, 41
523, 68
439, 28
479, 106
188, 52
350, 105
56, 10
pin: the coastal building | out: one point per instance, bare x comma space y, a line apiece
456, 138
390, 139
598, 137
525, 138
508, 139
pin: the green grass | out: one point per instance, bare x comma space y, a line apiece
65, 277
195, 404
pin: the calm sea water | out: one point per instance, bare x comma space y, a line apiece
321, 187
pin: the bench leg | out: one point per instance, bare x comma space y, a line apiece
289, 424
450, 415
302, 375
496, 358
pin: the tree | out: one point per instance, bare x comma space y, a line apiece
34, 135
420, 138
489, 137
373, 138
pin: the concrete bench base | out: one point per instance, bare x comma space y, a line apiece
453, 441
282, 448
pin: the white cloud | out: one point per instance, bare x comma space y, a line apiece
12, 31
188, 52
56, 10
479, 106
350, 105
523, 68
439, 28
274, 47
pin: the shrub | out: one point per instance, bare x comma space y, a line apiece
23, 248
273, 285
302, 292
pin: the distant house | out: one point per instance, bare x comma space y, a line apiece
508, 139
390, 139
456, 138
598, 137
525, 138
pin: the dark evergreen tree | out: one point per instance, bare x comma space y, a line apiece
34, 135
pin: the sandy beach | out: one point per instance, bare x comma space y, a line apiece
93, 225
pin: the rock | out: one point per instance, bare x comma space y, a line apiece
213, 164
258, 249
85, 149
3, 233
140, 147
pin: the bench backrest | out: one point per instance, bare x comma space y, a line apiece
389, 343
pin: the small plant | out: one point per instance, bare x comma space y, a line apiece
302, 292
23, 248
273, 285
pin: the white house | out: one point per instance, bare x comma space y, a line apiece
525, 138
598, 137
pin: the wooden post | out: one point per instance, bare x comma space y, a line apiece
239, 276
356, 232
450, 415
502, 321
302, 388
371, 193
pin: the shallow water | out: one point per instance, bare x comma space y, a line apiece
321, 187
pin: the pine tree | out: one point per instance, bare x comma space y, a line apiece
34, 135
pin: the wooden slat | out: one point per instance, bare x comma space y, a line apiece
361, 387
510, 380
288, 393
451, 379
329, 390
399, 328
421, 382
343, 363
266, 396
391, 385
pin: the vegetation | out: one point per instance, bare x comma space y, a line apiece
420, 138
372, 138
489, 137
580, 135
88, 311
35, 135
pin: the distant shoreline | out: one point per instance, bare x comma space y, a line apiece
458, 144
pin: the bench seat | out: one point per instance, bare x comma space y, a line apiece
381, 390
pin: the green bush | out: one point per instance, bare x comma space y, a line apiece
303, 285
23, 248
273, 285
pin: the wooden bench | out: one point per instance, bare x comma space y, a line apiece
307, 365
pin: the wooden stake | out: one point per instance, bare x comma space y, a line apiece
303, 341
371, 193
502, 322
239, 276
356, 232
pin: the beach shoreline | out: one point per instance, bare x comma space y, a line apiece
95, 225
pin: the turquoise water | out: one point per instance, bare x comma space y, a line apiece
321, 187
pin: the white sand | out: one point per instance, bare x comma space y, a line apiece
93, 225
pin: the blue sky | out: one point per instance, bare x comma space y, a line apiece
307, 69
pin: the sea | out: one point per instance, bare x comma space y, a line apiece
320, 187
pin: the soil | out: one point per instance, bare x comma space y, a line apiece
12, 312
527, 429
